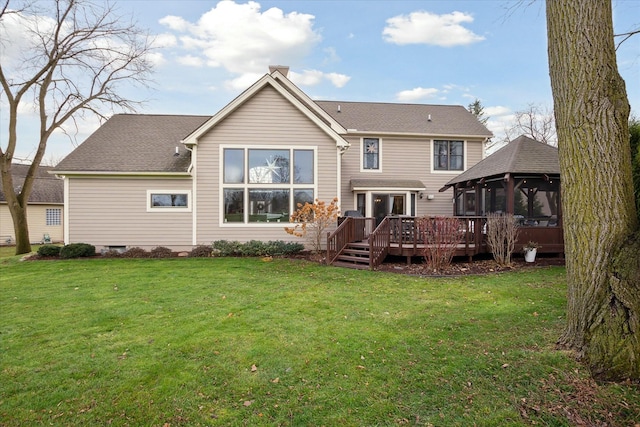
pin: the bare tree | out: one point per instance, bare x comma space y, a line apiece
536, 122
77, 56
602, 242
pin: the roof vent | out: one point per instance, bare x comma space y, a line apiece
177, 153
429, 118
338, 108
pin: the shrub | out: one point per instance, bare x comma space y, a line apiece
312, 220
135, 252
49, 250
201, 251
77, 250
441, 236
255, 248
502, 233
161, 252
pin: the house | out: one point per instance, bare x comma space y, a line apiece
45, 210
179, 181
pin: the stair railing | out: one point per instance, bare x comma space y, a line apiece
379, 242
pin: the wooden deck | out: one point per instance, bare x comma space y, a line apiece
357, 243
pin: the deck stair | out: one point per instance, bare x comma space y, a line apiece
354, 255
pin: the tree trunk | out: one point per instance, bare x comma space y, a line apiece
17, 209
592, 111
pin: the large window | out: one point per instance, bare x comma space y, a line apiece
53, 216
370, 154
448, 155
167, 200
264, 185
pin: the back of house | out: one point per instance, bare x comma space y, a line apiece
181, 181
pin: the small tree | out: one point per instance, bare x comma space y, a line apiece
502, 232
312, 220
441, 236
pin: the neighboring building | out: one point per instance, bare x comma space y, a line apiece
45, 213
180, 181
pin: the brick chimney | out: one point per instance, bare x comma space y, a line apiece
284, 70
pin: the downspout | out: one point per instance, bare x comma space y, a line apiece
193, 171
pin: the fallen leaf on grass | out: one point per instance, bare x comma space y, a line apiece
248, 402
254, 368
275, 380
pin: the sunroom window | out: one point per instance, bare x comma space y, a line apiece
264, 185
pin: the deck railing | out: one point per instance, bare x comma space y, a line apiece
379, 243
400, 235
350, 230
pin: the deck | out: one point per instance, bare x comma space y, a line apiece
358, 243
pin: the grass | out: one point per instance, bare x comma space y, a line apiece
244, 342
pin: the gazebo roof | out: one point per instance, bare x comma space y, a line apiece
523, 155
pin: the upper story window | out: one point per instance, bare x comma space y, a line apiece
163, 200
371, 154
448, 155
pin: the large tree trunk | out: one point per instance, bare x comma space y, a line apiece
17, 207
592, 111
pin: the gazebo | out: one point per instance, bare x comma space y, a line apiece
523, 179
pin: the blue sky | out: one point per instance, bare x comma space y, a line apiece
434, 52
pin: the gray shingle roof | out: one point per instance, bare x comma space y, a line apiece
522, 155
135, 143
46, 187
452, 120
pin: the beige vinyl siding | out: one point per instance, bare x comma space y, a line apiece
265, 120
37, 220
113, 212
406, 158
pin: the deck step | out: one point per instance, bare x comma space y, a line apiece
351, 258
356, 251
351, 265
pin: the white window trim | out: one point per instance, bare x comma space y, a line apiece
362, 169
448, 172
291, 187
173, 209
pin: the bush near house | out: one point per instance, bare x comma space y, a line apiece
77, 250
49, 250
160, 252
255, 248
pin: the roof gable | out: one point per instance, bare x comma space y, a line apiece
523, 155
285, 88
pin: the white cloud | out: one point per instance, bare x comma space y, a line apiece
498, 110
428, 28
315, 77
416, 94
242, 39
165, 40
338, 80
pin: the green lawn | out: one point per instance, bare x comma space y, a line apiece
235, 342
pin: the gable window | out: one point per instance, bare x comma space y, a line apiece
53, 216
448, 155
162, 200
371, 154
264, 185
